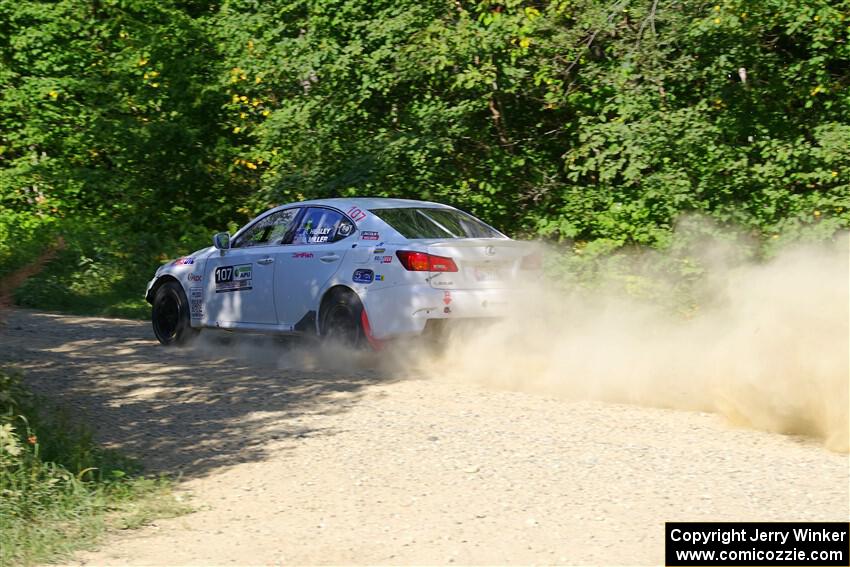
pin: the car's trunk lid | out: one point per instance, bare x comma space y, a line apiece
485, 263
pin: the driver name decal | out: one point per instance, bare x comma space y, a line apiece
233, 278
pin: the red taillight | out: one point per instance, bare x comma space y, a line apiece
441, 264
422, 262
532, 262
413, 261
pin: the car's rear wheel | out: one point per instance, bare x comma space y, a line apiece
341, 319
170, 315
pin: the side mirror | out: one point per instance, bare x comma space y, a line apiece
222, 241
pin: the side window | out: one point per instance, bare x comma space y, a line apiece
344, 229
268, 230
319, 226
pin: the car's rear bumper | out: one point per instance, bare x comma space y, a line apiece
405, 310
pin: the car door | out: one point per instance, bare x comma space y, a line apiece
239, 288
317, 247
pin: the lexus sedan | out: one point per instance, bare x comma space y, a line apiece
358, 271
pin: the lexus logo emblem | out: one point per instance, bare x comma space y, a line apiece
490, 251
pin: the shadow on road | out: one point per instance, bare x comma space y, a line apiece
217, 403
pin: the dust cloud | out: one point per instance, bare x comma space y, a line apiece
766, 343
768, 346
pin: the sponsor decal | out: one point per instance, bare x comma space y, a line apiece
185, 261
356, 214
233, 278
383, 259
193, 277
363, 276
380, 250
345, 228
302, 254
369, 235
379, 277
196, 302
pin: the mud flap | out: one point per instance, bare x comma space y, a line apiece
374, 343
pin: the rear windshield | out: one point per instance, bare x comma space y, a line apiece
423, 222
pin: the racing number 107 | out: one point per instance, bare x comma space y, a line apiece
224, 274
356, 214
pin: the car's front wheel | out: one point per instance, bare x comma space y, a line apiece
170, 315
341, 319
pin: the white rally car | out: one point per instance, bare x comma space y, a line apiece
360, 271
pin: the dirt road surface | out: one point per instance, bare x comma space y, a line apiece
288, 464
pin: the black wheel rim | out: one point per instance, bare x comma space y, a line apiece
167, 317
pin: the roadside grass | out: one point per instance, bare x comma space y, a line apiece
102, 269
85, 282
59, 491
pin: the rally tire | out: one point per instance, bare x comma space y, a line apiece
170, 315
341, 319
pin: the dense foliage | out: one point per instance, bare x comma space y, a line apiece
141, 126
57, 486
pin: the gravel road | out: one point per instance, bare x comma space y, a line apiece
288, 462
